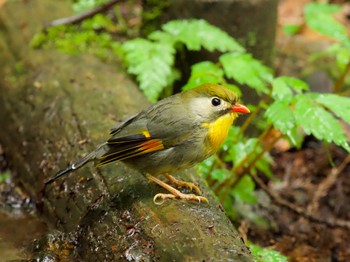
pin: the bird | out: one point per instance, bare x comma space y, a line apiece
169, 136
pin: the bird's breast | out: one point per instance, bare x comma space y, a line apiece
218, 130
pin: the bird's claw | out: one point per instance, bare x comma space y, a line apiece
186, 197
179, 183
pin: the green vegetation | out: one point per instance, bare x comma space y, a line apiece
4, 176
266, 255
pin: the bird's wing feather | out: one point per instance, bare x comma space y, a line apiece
123, 123
128, 147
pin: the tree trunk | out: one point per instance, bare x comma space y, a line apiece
53, 109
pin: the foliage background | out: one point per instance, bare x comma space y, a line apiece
287, 110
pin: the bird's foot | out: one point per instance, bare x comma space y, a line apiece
179, 183
186, 197
174, 192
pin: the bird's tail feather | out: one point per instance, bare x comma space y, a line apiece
72, 167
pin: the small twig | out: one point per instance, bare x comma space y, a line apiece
333, 222
82, 16
326, 184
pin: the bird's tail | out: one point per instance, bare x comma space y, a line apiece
73, 167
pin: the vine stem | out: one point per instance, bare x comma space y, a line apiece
340, 81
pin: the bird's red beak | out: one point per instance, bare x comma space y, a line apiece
238, 108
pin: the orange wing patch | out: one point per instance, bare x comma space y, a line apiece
151, 146
128, 147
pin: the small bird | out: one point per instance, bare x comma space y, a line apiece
172, 135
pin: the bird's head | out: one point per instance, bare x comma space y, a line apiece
214, 108
211, 101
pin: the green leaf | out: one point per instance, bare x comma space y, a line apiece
234, 88
229, 208
340, 105
296, 137
208, 72
263, 164
239, 150
4, 176
243, 68
315, 120
232, 138
220, 174
203, 73
84, 5
204, 168
151, 63
280, 89
281, 116
98, 22
196, 34
291, 29
283, 86
319, 18
163, 37
266, 255
341, 53
243, 192
343, 58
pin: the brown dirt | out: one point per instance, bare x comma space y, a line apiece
304, 180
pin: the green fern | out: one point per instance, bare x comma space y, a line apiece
308, 111
319, 17
283, 87
152, 63
316, 120
244, 191
266, 255
152, 60
243, 68
338, 104
197, 34
280, 114
204, 72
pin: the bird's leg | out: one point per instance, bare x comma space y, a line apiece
174, 192
179, 183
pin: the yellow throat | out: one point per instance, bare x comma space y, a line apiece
218, 130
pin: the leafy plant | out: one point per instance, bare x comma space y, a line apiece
152, 60
266, 255
96, 35
320, 17
84, 5
73, 39
4, 176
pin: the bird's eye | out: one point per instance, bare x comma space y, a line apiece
215, 101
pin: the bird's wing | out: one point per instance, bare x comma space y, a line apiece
123, 123
130, 140
153, 129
